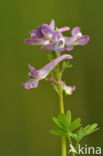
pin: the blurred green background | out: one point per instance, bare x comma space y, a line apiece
26, 115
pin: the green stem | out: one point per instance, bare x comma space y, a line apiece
77, 145
73, 154
70, 141
61, 109
69, 138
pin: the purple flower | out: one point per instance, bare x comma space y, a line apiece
68, 90
36, 75
57, 44
44, 34
61, 43
76, 39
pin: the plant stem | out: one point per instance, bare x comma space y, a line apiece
70, 141
61, 109
73, 154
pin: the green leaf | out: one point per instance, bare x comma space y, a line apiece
62, 119
64, 124
65, 127
66, 65
75, 124
74, 136
90, 129
56, 121
58, 132
82, 132
68, 118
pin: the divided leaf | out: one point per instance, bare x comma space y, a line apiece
64, 124
90, 129
68, 118
56, 121
82, 132
58, 132
75, 124
66, 127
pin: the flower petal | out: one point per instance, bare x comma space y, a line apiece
48, 46
75, 31
34, 72
52, 24
49, 67
30, 84
83, 40
33, 33
68, 89
69, 48
32, 41
63, 29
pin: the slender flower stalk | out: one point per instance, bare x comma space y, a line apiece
63, 139
61, 109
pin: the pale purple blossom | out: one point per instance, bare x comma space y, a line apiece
45, 34
76, 39
52, 39
36, 75
61, 43
67, 89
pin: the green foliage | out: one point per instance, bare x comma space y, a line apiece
51, 56
82, 132
66, 65
64, 126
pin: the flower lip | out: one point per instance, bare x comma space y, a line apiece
83, 40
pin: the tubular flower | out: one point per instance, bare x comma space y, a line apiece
68, 90
76, 39
36, 75
44, 34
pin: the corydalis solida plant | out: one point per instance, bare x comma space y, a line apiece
51, 38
